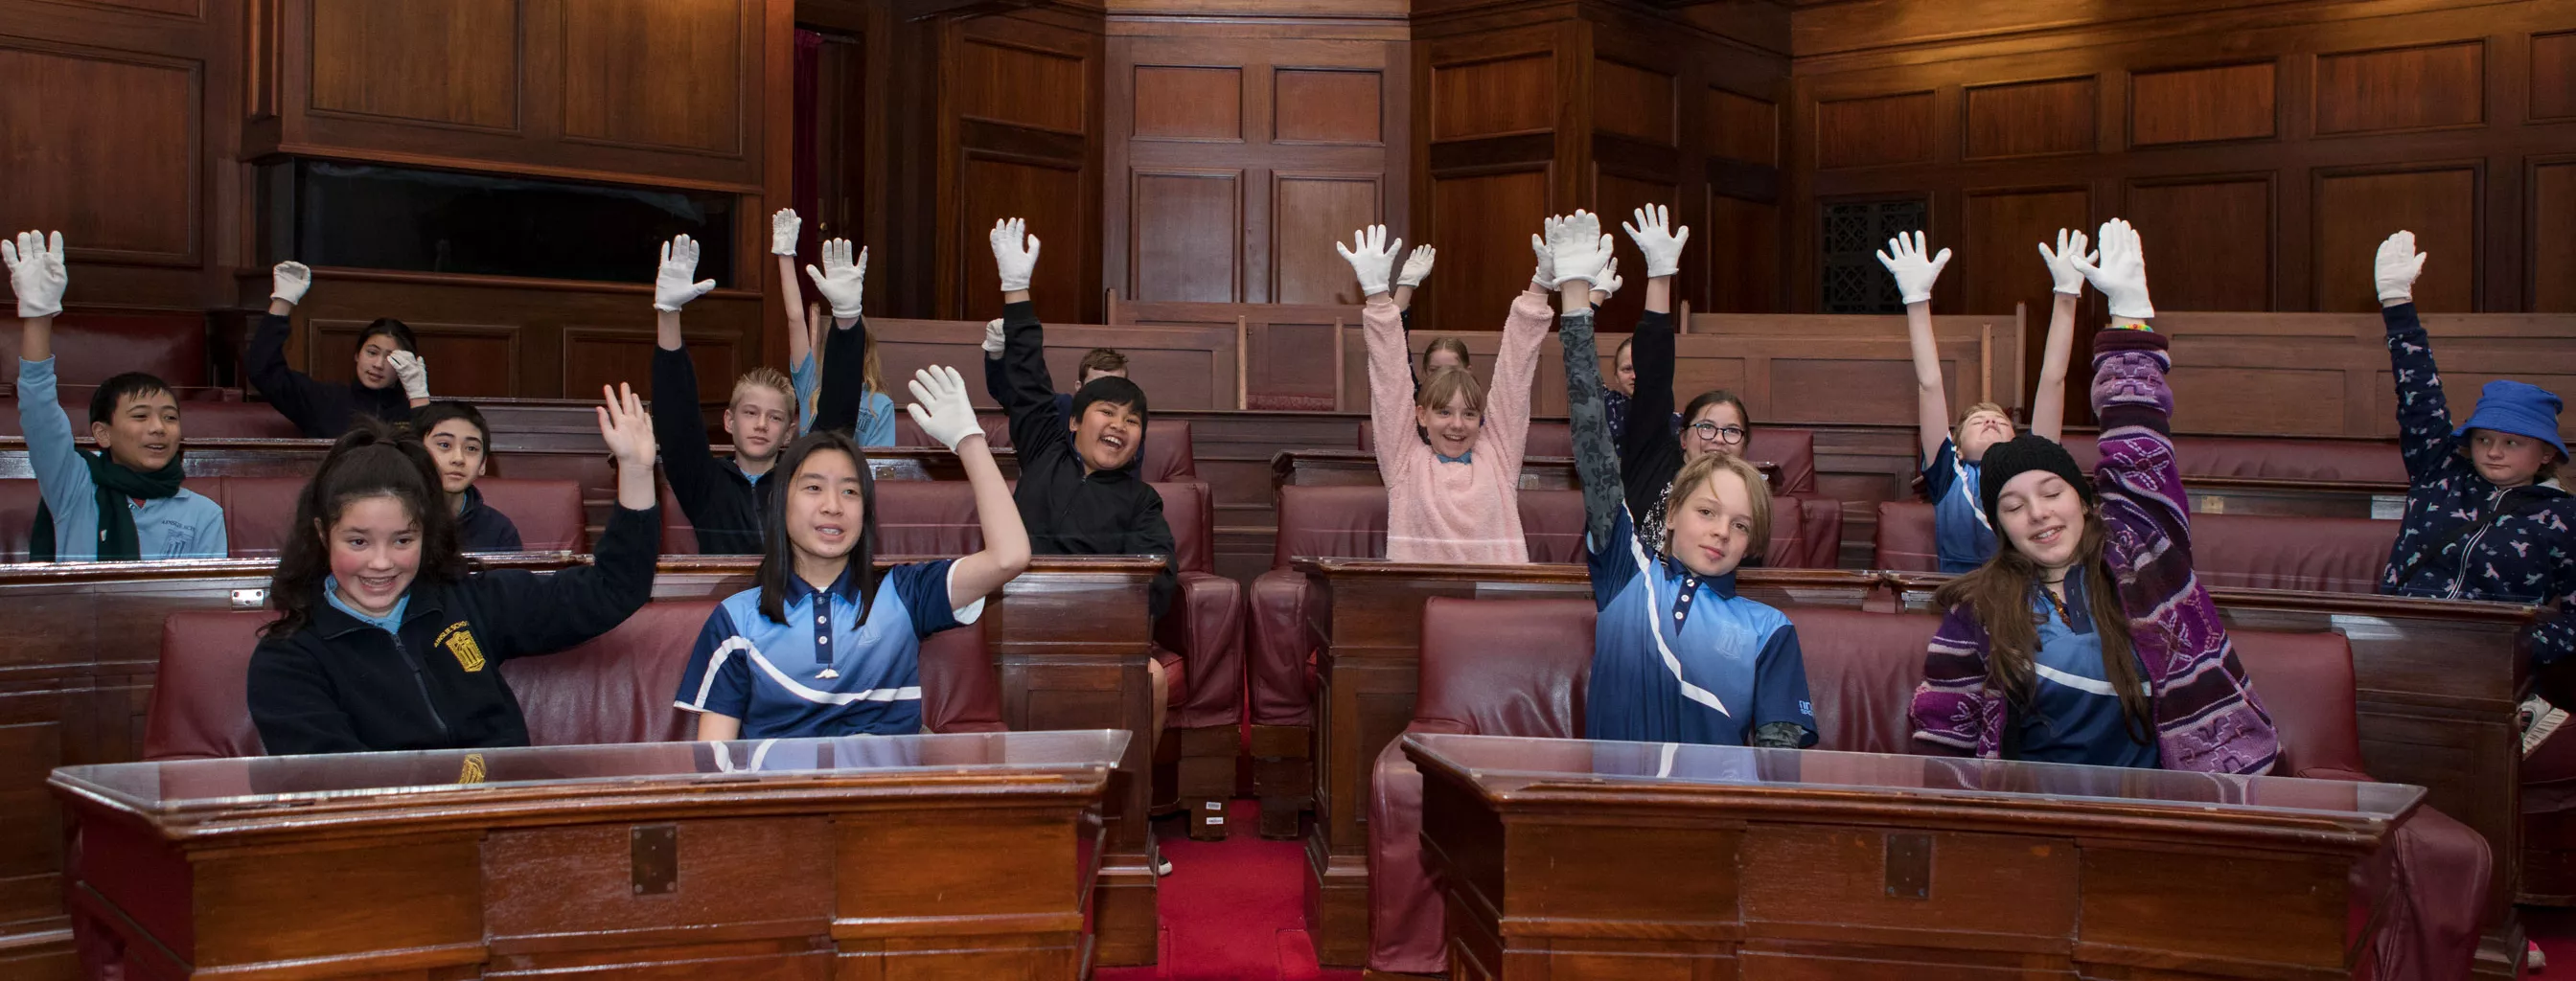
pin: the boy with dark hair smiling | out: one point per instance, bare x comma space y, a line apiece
460, 443
124, 503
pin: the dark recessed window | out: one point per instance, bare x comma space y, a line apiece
365, 216
1852, 233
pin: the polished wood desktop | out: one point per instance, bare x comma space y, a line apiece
1568, 859
923, 856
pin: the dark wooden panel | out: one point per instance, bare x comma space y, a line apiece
1050, 197
1318, 106
1741, 127
2408, 88
1189, 103
1888, 129
439, 61
464, 360
1632, 101
2553, 76
1482, 225
2210, 242
655, 74
1997, 262
1615, 197
1493, 98
2355, 212
2193, 105
2027, 119
1742, 249
1308, 214
2553, 252
1185, 235
1020, 86
102, 148
597, 356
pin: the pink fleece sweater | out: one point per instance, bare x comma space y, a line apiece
1454, 512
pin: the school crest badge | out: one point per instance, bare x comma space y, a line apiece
472, 771
458, 639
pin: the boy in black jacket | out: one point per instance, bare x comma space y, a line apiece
722, 498
1077, 494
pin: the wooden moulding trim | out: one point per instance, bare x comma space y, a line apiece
2181, 822
36, 573
474, 807
367, 962
507, 282
874, 927
517, 168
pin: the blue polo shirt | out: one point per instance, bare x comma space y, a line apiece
826, 671
2075, 713
1961, 533
1679, 658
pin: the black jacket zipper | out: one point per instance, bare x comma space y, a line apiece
421, 681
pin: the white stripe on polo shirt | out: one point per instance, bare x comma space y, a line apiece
715, 663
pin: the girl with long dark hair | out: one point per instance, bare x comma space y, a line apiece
388, 639
823, 645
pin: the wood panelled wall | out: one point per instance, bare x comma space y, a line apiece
1242, 147
1522, 113
2262, 150
1019, 135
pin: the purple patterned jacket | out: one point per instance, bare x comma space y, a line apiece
2207, 716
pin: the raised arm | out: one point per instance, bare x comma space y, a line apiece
1579, 253
533, 614
784, 227
1417, 267
1915, 272
289, 391
678, 427
2048, 407
2424, 433
1027, 392
843, 281
2140, 481
1648, 447
1390, 364
943, 412
38, 276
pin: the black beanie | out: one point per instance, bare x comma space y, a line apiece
2022, 454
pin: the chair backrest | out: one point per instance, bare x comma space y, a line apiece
1791, 451
1861, 671
2304, 679
2321, 555
259, 512
678, 536
201, 698
618, 687
1903, 541
548, 513
1190, 509
89, 348
1349, 522
1506, 667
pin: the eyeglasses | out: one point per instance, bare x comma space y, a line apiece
1714, 433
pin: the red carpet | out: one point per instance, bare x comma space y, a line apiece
1232, 910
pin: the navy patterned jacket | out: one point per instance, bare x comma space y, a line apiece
2447, 549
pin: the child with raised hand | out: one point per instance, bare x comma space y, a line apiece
2485, 517
1454, 495
123, 503
1678, 655
1962, 534
845, 394
2086, 638
723, 498
824, 645
388, 380
388, 639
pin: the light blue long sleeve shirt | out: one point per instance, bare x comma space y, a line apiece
876, 410
183, 526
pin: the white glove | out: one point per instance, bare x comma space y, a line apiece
1372, 257
2122, 274
1608, 285
1652, 231
1015, 251
993, 337
36, 273
940, 406
783, 226
672, 288
413, 372
1545, 274
2062, 264
289, 281
2396, 269
1914, 273
842, 282
1581, 251
1417, 267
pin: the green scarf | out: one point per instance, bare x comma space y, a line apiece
114, 483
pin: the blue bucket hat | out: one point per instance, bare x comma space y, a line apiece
2520, 409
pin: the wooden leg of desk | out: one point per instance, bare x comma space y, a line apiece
1207, 778
2500, 951
1126, 928
1336, 903
1283, 774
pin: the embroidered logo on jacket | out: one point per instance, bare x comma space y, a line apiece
472, 772
458, 639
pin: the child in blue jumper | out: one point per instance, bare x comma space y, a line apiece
824, 646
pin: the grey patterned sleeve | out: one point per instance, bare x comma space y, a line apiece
1779, 735
1596, 453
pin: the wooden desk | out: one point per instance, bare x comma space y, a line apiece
968, 853
2296, 498
2439, 685
1069, 639
1567, 859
